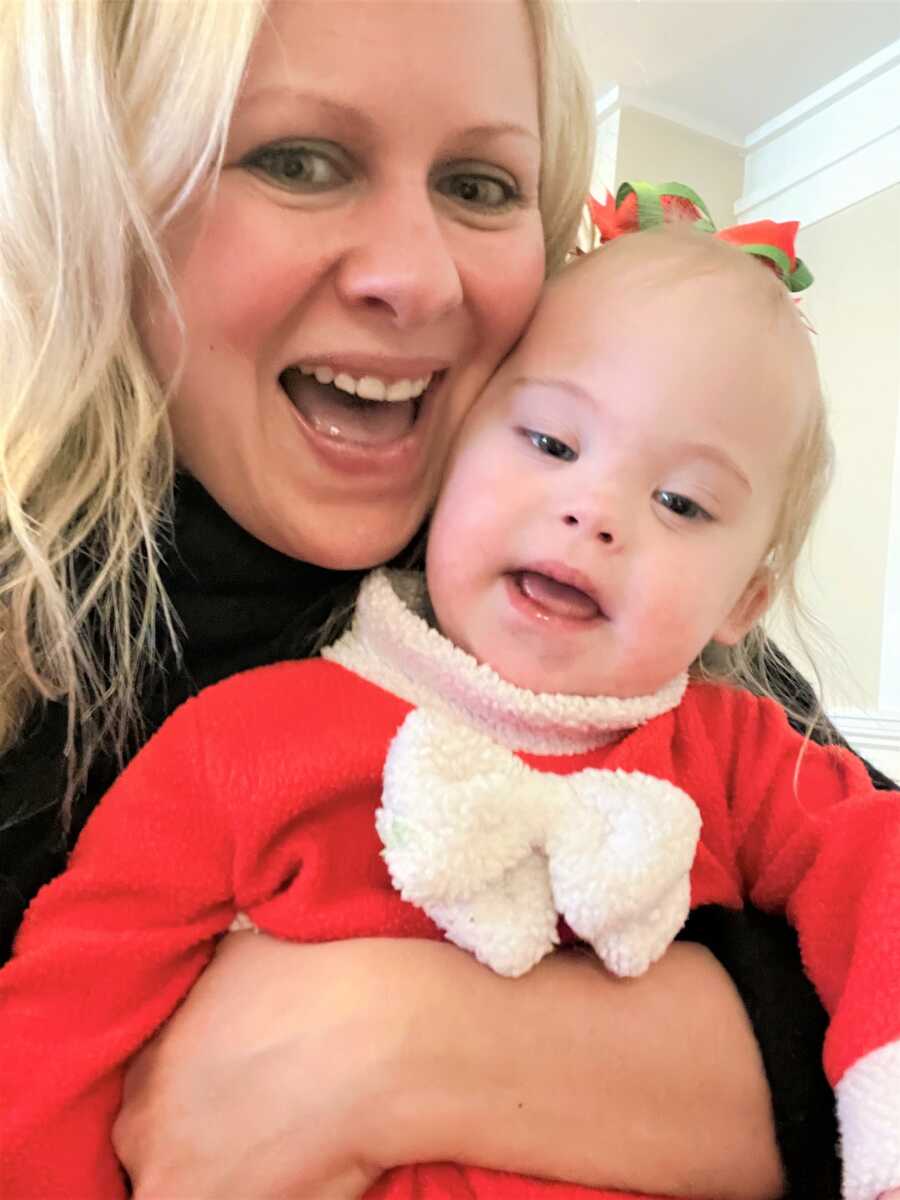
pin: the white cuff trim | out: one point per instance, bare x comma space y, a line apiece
868, 1106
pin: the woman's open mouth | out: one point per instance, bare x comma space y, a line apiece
363, 410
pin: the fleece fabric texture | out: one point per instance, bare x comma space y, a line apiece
496, 852
221, 815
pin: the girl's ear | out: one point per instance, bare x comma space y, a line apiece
753, 602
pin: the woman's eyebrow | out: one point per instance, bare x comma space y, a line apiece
289, 95
498, 128
349, 114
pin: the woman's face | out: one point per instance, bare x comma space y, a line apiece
376, 220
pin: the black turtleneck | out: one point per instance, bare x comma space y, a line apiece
241, 604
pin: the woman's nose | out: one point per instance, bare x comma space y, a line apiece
402, 263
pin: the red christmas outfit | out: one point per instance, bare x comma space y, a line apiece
259, 797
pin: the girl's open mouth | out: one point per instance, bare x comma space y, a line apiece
546, 597
362, 410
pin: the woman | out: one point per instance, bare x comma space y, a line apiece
366, 195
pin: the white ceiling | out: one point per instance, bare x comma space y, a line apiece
726, 67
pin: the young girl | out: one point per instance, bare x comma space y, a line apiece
622, 505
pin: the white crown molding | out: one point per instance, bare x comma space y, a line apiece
607, 152
825, 191
837, 147
875, 736
622, 97
608, 102
879, 730
889, 690
850, 80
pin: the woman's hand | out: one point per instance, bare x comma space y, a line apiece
260, 1084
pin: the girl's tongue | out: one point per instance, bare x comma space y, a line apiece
557, 598
347, 418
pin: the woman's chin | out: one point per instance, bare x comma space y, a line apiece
322, 530
353, 546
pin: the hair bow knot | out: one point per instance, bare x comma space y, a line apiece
640, 205
494, 850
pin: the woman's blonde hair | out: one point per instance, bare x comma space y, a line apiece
568, 129
108, 123
113, 114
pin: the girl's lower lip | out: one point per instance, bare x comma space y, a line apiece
539, 616
404, 458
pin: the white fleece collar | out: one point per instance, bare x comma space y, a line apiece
393, 646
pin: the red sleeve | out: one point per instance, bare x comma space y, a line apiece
104, 955
815, 839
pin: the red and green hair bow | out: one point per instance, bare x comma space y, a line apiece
638, 206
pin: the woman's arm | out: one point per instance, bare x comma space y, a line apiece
652, 1084
406, 1051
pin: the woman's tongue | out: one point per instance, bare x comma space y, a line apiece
338, 415
557, 598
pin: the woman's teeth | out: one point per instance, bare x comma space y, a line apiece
369, 387
364, 409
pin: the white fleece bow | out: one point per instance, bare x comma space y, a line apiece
494, 850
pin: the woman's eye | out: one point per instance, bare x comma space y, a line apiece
682, 506
476, 190
297, 166
550, 446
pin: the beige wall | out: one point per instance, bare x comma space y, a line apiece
854, 306
652, 148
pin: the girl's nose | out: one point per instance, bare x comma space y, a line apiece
596, 526
401, 263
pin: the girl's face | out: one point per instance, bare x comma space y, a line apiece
375, 227
613, 494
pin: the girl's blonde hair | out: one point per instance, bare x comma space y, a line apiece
753, 660
113, 114
754, 663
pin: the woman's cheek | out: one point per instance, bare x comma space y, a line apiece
521, 270
273, 275
507, 284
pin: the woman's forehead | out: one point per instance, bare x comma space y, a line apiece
385, 55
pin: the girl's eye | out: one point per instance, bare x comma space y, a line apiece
550, 446
475, 189
298, 166
682, 506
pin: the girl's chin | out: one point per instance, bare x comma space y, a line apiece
524, 673
520, 674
